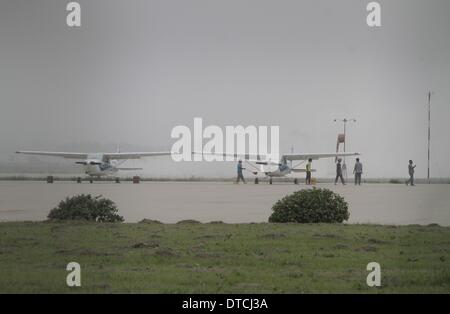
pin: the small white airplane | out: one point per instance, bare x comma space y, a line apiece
262, 164
99, 164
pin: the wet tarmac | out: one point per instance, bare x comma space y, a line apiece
170, 202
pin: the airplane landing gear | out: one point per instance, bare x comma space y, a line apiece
91, 180
295, 181
270, 180
78, 180
256, 181
117, 180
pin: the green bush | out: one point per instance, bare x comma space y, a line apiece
86, 207
311, 206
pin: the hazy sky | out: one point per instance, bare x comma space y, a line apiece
135, 69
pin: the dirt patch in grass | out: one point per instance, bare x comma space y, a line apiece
367, 248
142, 245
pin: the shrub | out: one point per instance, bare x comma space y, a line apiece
311, 206
188, 221
86, 207
150, 221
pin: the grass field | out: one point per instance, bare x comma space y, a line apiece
223, 258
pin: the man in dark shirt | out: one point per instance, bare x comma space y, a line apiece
240, 175
308, 171
411, 168
357, 170
339, 172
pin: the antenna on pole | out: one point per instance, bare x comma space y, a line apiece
343, 139
429, 135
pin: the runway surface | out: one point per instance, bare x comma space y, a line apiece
170, 202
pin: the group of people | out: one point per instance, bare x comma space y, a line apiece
357, 171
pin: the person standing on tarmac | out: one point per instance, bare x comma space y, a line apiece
240, 175
308, 171
339, 172
411, 168
358, 171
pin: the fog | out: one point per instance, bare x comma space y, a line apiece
135, 69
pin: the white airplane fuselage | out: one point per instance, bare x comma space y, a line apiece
96, 165
104, 169
279, 169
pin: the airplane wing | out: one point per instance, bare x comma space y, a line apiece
114, 156
264, 160
55, 154
316, 156
117, 156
